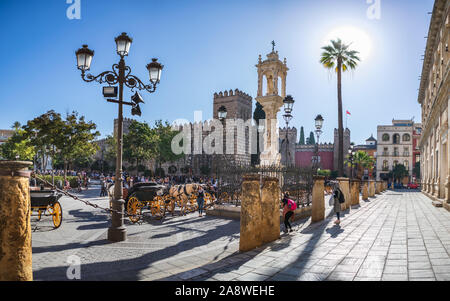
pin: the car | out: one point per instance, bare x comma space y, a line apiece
413, 186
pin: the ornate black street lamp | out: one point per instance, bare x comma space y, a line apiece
121, 75
351, 155
222, 114
319, 123
288, 103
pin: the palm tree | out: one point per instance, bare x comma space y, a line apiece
339, 57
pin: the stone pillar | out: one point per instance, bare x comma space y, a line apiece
371, 188
365, 191
251, 213
270, 198
377, 187
345, 188
355, 184
318, 200
15, 227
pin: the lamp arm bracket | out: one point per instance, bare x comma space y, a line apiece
109, 77
133, 82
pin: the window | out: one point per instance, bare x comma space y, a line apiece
396, 139
385, 137
385, 165
406, 137
406, 163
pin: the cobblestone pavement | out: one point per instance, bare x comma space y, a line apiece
395, 236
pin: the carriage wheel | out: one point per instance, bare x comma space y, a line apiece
155, 206
207, 199
134, 209
57, 214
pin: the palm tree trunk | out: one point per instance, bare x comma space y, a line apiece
340, 125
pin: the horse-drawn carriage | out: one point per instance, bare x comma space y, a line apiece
160, 199
145, 196
47, 202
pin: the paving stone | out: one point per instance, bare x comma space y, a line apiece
421, 273
341, 276
418, 265
370, 273
440, 261
441, 269
252, 277
396, 270
396, 262
418, 258
394, 277
443, 277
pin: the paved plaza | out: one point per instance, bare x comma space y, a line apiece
398, 235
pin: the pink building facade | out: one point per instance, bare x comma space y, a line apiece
304, 155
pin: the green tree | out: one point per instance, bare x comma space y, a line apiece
45, 134
416, 170
165, 135
361, 161
302, 137
258, 115
140, 144
18, 146
399, 172
311, 139
338, 57
76, 143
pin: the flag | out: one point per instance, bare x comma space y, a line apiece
348, 113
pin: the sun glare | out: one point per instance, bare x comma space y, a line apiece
359, 40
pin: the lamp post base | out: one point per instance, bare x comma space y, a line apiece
117, 231
117, 234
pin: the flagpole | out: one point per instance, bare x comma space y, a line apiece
346, 116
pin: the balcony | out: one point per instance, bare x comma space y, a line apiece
385, 154
406, 154
396, 154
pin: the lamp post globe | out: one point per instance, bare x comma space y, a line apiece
222, 113
288, 103
84, 58
123, 43
319, 122
154, 71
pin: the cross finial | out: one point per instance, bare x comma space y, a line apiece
273, 46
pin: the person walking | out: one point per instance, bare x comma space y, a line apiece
289, 207
200, 200
337, 199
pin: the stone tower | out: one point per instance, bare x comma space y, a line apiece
270, 71
291, 142
237, 103
336, 148
239, 107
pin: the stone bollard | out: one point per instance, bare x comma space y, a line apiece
365, 191
15, 227
377, 187
270, 218
251, 213
371, 188
355, 184
318, 200
345, 188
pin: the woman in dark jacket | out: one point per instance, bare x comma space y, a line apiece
337, 197
200, 200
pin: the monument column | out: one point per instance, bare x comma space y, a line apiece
271, 102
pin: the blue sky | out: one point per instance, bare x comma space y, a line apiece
211, 46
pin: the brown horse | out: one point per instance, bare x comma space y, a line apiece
183, 193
